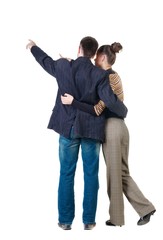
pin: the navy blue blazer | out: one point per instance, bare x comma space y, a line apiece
86, 83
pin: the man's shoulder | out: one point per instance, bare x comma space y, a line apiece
86, 64
63, 63
98, 72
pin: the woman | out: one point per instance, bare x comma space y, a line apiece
116, 147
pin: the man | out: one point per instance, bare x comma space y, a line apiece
76, 128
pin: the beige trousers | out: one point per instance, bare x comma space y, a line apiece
115, 151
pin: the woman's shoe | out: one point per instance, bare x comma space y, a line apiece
109, 223
145, 219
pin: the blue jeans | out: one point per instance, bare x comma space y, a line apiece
68, 155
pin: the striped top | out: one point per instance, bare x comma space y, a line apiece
116, 85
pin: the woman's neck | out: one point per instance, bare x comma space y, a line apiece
107, 66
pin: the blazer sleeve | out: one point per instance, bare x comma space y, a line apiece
46, 62
85, 107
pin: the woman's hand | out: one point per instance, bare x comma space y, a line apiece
69, 59
67, 99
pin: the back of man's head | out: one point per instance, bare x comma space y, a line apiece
89, 46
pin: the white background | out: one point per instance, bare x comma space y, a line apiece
29, 165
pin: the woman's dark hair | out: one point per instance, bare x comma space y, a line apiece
110, 51
89, 46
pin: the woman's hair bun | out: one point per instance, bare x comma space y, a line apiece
116, 47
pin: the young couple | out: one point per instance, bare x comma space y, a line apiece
95, 116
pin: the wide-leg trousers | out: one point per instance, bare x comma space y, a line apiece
119, 182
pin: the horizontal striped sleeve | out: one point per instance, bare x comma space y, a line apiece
116, 85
